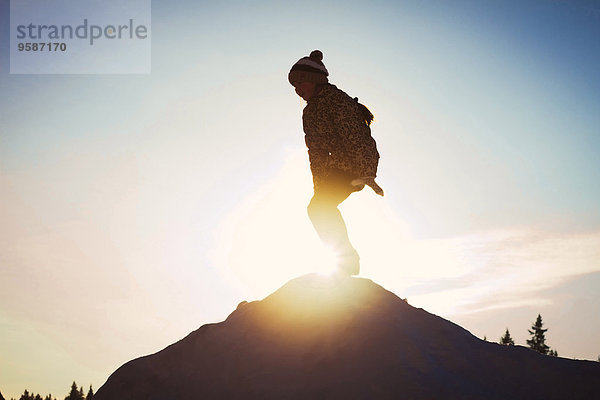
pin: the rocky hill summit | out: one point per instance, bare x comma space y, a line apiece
344, 338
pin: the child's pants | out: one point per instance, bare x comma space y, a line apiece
326, 217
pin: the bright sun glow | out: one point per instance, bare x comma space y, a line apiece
267, 239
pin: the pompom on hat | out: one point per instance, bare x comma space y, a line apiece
309, 69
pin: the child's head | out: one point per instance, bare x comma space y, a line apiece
306, 90
307, 73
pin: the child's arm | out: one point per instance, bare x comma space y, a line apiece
369, 181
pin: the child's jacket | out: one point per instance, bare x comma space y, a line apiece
337, 137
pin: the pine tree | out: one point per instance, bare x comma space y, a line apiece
90, 394
75, 393
538, 337
506, 339
26, 396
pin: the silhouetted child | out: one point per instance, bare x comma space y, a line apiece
343, 155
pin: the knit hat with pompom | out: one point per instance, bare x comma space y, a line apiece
309, 69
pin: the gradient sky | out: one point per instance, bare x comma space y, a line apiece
136, 208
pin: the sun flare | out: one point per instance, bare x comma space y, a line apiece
267, 239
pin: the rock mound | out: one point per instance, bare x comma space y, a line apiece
326, 338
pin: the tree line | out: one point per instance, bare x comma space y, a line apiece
537, 341
76, 393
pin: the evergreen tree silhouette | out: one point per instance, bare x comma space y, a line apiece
538, 337
90, 394
75, 393
26, 396
506, 339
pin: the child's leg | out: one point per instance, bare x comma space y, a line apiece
327, 219
330, 226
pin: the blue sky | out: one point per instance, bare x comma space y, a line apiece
139, 207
